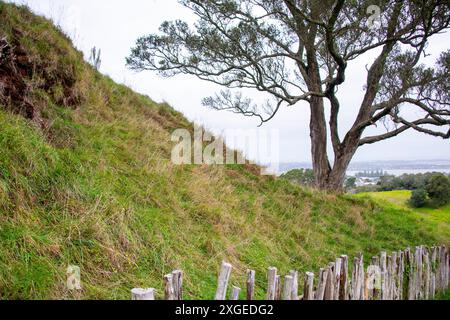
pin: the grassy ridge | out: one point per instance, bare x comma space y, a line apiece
95, 188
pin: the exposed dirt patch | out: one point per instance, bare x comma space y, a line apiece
23, 76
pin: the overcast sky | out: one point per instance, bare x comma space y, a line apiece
114, 26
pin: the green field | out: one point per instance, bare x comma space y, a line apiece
438, 217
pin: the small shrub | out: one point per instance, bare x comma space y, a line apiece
418, 198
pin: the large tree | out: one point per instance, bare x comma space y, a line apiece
299, 50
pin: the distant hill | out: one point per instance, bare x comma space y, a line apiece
86, 179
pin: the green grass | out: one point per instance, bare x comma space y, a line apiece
96, 188
443, 296
436, 218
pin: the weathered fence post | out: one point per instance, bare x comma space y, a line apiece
287, 288
169, 292
308, 287
343, 285
362, 276
376, 291
337, 277
279, 288
400, 275
372, 283
271, 283
329, 284
294, 275
356, 279
320, 292
411, 274
394, 276
222, 284
389, 279
235, 293
419, 273
439, 270
383, 271
447, 267
426, 273
143, 294
250, 284
177, 280
433, 272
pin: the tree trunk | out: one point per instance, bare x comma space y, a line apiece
337, 175
318, 133
334, 180
327, 178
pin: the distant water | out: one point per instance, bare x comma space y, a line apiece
394, 167
399, 172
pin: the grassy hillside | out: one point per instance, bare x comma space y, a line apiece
86, 179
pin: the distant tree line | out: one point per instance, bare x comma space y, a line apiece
406, 181
431, 188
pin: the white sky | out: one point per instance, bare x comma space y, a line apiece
114, 26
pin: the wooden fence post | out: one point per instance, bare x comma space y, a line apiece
250, 284
287, 288
419, 273
412, 274
343, 285
445, 263
356, 281
369, 283
427, 273
294, 275
337, 277
383, 271
389, 280
447, 267
433, 272
177, 280
362, 276
376, 274
224, 276
271, 283
329, 284
279, 288
395, 293
323, 275
308, 287
440, 271
400, 275
444, 268
235, 293
169, 293
143, 294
